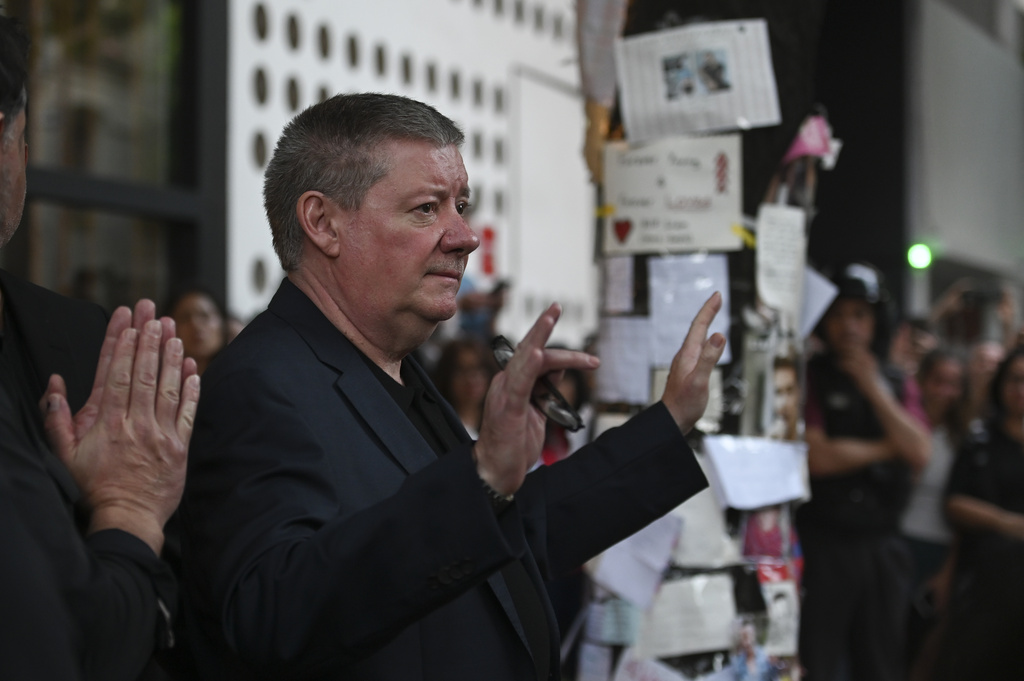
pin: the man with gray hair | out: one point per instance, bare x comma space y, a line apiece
338, 521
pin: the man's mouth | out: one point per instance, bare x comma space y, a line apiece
448, 271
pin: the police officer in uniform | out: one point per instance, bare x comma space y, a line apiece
866, 437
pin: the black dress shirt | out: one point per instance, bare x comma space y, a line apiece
426, 415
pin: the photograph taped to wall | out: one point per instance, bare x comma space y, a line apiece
697, 78
676, 195
712, 73
783, 617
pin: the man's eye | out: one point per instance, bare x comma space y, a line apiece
426, 208
462, 207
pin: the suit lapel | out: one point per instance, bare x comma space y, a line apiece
496, 581
45, 340
49, 350
356, 382
371, 401
398, 435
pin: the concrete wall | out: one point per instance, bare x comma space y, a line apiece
966, 160
520, 58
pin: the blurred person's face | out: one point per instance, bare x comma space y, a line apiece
1013, 390
849, 325
567, 386
768, 519
747, 638
985, 358
470, 382
942, 387
922, 342
200, 326
13, 159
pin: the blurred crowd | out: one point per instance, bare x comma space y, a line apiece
956, 511
964, 522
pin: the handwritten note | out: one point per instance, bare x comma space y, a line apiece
676, 195
819, 293
679, 286
633, 567
704, 541
624, 349
618, 284
781, 255
689, 615
754, 472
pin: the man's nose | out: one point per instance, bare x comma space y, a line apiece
459, 237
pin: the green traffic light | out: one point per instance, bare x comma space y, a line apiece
919, 256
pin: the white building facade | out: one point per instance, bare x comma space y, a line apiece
504, 70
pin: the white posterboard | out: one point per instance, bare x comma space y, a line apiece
675, 195
697, 78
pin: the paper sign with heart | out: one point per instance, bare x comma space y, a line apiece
622, 229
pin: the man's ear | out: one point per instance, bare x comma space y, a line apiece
320, 219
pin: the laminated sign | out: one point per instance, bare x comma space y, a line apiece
676, 195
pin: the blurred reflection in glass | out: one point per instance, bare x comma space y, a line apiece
104, 83
104, 257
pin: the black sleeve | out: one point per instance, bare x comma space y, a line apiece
269, 521
267, 532
608, 490
115, 588
37, 639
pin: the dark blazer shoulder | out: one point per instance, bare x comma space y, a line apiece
64, 336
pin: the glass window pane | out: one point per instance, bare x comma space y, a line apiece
108, 258
104, 85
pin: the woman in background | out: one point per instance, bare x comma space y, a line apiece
462, 376
941, 380
201, 321
985, 503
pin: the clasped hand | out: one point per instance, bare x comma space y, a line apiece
127, 447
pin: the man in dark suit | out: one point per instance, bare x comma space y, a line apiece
338, 521
40, 644
119, 462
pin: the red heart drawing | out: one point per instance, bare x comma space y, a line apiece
622, 228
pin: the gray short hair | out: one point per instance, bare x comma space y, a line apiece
334, 147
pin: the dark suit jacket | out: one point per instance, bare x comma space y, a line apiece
64, 335
37, 639
323, 539
110, 580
